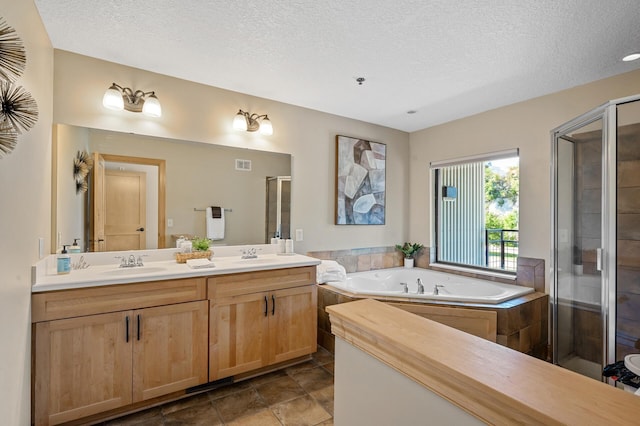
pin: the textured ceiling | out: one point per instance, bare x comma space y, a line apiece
444, 59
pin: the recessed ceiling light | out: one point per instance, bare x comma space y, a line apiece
631, 57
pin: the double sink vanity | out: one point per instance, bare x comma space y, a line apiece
110, 339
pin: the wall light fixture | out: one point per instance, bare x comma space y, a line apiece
247, 122
118, 98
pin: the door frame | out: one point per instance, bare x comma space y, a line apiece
162, 167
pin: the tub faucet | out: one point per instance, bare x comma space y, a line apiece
436, 287
420, 287
405, 288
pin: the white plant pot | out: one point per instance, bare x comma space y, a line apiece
408, 263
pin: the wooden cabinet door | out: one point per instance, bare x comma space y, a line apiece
292, 323
82, 366
238, 334
169, 349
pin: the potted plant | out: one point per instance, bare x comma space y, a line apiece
199, 250
409, 250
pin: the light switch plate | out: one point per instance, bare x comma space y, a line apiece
299, 235
169, 223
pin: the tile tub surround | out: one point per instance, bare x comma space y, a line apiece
362, 259
298, 395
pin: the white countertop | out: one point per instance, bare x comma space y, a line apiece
104, 268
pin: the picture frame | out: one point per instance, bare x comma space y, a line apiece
360, 181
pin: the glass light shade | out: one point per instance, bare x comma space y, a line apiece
151, 106
266, 128
240, 122
112, 99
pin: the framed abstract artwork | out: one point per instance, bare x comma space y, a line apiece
360, 181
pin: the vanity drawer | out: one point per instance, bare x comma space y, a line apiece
259, 281
52, 305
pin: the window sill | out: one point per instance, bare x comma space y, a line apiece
504, 276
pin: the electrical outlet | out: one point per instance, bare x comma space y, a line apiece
169, 223
299, 235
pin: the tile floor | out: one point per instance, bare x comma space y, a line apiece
298, 395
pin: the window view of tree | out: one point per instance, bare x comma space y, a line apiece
501, 185
501, 188
477, 213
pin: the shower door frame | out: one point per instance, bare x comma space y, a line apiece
607, 250
608, 114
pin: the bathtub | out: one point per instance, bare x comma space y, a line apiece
455, 288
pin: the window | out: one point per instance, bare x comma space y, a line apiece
476, 211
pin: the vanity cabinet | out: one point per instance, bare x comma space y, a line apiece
98, 349
260, 318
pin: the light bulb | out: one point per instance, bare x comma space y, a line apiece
151, 106
266, 128
112, 98
240, 122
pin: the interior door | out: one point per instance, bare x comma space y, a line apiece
125, 210
97, 240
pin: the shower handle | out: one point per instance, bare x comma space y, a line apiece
598, 259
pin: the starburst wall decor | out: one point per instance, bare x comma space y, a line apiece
18, 109
82, 165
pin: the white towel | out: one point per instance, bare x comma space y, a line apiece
330, 270
215, 226
200, 263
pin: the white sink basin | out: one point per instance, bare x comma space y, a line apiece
134, 271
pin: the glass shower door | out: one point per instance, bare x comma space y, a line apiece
578, 336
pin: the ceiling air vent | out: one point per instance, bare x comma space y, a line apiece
244, 165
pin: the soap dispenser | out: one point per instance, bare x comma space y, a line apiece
64, 261
75, 248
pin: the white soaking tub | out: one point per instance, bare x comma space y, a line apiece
455, 288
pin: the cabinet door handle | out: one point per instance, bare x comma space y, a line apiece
138, 326
266, 306
273, 305
126, 328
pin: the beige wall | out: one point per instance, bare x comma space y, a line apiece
24, 190
204, 114
69, 206
525, 125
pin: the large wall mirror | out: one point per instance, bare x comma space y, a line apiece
169, 184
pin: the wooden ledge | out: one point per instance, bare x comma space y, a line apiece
494, 383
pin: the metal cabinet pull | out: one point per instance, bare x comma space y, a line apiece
126, 328
273, 306
266, 306
138, 326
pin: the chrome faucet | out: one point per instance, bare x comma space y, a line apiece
436, 287
420, 287
249, 253
405, 288
131, 261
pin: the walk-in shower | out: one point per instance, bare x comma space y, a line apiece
595, 260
